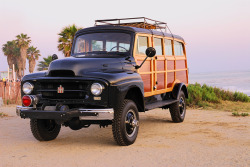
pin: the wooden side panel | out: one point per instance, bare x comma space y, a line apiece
145, 67
180, 64
146, 78
182, 76
170, 65
162, 70
160, 65
170, 79
160, 81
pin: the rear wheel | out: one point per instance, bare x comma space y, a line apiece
44, 129
178, 109
126, 123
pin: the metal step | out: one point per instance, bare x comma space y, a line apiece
159, 104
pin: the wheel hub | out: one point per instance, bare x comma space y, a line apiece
131, 123
182, 105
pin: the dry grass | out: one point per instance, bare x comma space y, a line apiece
230, 106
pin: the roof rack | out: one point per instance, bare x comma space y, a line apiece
139, 22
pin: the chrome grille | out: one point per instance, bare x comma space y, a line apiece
72, 89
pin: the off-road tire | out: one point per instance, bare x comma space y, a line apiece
119, 127
44, 130
178, 113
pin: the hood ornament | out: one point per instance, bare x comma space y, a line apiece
60, 89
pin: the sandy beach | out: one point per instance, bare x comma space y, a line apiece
205, 138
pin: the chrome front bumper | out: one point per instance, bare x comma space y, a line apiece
97, 114
82, 113
19, 108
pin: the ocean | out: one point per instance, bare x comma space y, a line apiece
233, 81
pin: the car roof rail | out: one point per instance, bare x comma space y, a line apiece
139, 22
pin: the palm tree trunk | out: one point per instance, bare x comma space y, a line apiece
32, 64
23, 52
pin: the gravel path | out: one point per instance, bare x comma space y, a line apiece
205, 138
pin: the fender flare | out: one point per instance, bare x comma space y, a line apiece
178, 88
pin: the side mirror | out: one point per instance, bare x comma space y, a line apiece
150, 52
54, 57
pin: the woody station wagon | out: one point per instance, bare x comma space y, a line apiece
115, 71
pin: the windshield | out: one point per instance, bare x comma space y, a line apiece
102, 43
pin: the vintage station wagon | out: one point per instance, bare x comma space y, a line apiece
115, 71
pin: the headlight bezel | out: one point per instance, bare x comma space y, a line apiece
96, 88
27, 88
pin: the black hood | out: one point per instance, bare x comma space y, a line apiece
113, 70
83, 66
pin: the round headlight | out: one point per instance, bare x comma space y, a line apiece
27, 88
96, 89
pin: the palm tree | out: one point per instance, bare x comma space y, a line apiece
11, 50
33, 55
44, 65
65, 40
23, 42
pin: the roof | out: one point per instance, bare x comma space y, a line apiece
126, 28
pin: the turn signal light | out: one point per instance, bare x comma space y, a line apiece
26, 100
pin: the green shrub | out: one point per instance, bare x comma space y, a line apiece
238, 114
238, 96
201, 95
244, 114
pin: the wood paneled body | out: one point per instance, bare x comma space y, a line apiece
160, 73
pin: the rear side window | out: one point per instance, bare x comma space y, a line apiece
168, 47
178, 48
142, 45
158, 46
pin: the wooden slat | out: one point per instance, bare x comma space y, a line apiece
160, 81
146, 78
180, 64
145, 67
160, 65
182, 76
170, 65
170, 79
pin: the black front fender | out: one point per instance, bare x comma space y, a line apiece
119, 90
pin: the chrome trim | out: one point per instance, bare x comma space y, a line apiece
101, 114
19, 108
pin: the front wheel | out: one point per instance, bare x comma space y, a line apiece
44, 129
126, 123
178, 109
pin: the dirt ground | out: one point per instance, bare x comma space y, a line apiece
205, 138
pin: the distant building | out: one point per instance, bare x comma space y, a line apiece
4, 74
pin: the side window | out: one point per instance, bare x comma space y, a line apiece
142, 45
158, 46
178, 48
80, 46
168, 47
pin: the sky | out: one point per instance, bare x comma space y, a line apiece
217, 32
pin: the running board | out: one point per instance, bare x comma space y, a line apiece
159, 104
